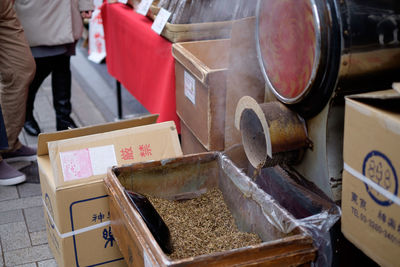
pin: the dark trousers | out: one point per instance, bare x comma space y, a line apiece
3, 134
59, 68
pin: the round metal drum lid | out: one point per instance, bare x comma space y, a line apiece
288, 45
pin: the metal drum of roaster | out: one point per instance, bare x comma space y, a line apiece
313, 50
312, 53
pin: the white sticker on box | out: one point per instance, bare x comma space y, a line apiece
102, 157
161, 20
123, 1
190, 87
144, 7
83, 163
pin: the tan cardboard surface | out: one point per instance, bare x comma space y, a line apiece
82, 131
77, 212
371, 213
85, 158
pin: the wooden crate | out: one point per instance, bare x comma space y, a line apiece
284, 243
200, 75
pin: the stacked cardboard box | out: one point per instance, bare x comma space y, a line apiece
72, 165
370, 198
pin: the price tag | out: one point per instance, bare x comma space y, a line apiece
161, 20
144, 7
123, 1
190, 87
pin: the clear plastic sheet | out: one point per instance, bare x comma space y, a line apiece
318, 224
199, 11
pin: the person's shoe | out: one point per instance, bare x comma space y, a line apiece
24, 153
32, 128
65, 124
9, 175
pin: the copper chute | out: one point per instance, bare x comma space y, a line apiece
271, 132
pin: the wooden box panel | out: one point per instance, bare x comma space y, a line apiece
189, 143
282, 244
205, 63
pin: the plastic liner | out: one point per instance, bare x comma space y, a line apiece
195, 11
318, 222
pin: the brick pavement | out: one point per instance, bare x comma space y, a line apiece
23, 240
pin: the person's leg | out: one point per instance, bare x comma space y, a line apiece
3, 134
43, 69
61, 87
17, 69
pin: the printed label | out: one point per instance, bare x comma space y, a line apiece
97, 45
190, 87
381, 222
160, 21
144, 7
84, 163
103, 248
76, 164
379, 169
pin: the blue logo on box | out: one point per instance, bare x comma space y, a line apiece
379, 169
73, 229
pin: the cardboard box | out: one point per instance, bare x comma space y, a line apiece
189, 142
370, 197
284, 242
72, 165
200, 71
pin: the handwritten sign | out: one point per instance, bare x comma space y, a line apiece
161, 20
144, 7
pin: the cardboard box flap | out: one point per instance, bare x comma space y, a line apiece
380, 102
89, 130
378, 95
82, 159
202, 58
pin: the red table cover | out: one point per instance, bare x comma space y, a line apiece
140, 59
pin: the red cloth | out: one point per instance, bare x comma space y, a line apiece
140, 59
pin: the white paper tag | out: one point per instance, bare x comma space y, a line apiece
190, 87
83, 163
144, 7
102, 157
123, 1
161, 20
